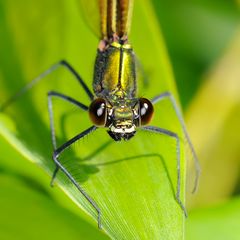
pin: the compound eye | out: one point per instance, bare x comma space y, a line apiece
97, 112
145, 110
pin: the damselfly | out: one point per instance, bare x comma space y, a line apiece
114, 104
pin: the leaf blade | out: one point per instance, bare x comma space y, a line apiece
153, 211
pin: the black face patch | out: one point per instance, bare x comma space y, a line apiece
121, 136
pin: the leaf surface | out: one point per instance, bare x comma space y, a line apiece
134, 182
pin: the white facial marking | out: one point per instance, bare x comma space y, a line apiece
123, 129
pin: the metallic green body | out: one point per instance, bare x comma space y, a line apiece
115, 74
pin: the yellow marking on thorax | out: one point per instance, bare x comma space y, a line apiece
119, 75
119, 45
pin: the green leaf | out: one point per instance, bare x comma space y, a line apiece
29, 212
133, 183
23, 172
218, 222
20, 178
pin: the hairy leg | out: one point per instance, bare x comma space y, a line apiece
41, 77
169, 96
56, 155
51, 116
175, 136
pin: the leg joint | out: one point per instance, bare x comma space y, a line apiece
51, 93
55, 157
63, 62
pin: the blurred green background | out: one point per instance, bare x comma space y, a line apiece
203, 42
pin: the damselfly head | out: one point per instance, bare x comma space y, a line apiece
122, 117
122, 120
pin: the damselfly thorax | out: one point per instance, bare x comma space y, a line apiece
114, 84
115, 74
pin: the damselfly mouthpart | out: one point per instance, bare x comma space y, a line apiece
115, 104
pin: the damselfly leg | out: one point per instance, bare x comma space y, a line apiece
170, 97
51, 117
59, 150
54, 67
35, 81
174, 136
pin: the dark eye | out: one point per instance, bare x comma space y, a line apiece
145, 110
97, 112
